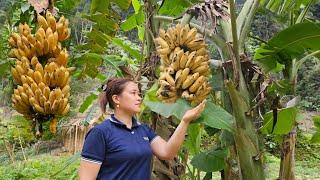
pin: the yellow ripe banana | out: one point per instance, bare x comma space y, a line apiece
170, 79
190, 80
49, 32
176, 59
41, 85
162, 33
25, 62
16, 92
182, 77
201, 69
34, 61
39, 68
12, 43
185, 94
20, 70
38, 94
41, 33
43, 100
191, 35
11, 53
195, 42
16, 75
60, 76
60, 28
55, 106
16, 37
51, 21
52, 96
20, 44
24, 98
26, 29
38, 108
39, 48
183, 60
65, 90
62, 20
37, 77
165, 60
65, 34
25, 40
31, 39
24, 79
169, 70
42, 22
30, 74
166, 86
51, 67
161, 42
58, 94
45, 47
30, 80
190, 59
32, 101
65, 110
62, 59
51, 42
17, 53
170, 37
170, 40
194, 87
46, 92
20, 101
20, 89
163, 51
178, 74
34, 87
183, 35
162, 76
46, 78
202, 51
53, 126
22, 53
63, 103
197, 62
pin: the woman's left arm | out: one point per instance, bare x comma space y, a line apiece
167, 150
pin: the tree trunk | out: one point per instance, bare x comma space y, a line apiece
246, 138
287, 156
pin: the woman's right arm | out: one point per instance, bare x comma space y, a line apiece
88, 170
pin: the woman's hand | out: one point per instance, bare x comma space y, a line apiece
194, 113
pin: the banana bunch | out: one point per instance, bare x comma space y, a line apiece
184, 65
46, 41
42, 87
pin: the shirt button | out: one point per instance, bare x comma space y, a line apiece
132, 132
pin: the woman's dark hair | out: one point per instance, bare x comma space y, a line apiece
114, 86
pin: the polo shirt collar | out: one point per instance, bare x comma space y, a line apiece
135, 122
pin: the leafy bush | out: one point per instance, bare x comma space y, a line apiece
309, 86
16, 129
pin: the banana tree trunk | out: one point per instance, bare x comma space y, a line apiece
287, 157
246, 138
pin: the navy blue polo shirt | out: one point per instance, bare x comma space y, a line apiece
122, 152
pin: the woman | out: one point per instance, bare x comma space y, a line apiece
121, 147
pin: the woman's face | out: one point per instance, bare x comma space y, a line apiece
129, 100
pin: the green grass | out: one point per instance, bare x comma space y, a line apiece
42, 167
